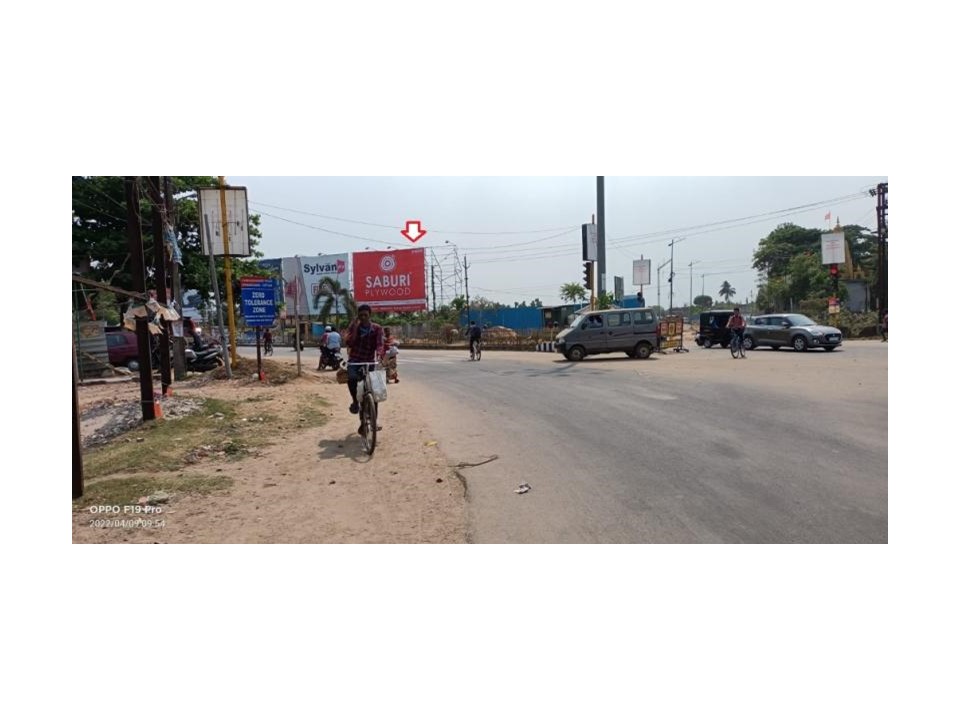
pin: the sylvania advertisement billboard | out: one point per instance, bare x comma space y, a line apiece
391, 280
303, 277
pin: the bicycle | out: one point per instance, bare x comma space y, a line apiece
368, 409
475, 350
736, 345
267, 348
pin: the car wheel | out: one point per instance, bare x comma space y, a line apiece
643, 350
133, 365
576, 354
707, 343
748, 343
799, 343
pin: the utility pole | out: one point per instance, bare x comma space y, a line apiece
135, 246
77, 452
466, 282
661, 267
160, 277
216, 296
179, 357
601, 239
433, 287
670, 279
881, 193
692, 263
228, 270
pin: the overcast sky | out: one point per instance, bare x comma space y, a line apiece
521, 235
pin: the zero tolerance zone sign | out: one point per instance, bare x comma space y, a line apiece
257, 296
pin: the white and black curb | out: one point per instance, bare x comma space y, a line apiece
546, 347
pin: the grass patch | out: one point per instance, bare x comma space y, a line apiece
164, 444
311, 412
127, 490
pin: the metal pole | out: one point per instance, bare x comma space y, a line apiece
466, 281
228, 269
160, 277
135, 241
216, 297
296, 316
179, 356
77, 453
601, 239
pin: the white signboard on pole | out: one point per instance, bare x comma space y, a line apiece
238, 229
641, 272
833, 248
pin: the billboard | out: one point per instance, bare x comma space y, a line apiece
211, 224
833, 248
588, 235
390, 280
304, 276
641, 272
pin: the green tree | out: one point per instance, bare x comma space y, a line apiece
573, 292
605, 300
536, 303
330, 291
703, 301
99, 233
726, 292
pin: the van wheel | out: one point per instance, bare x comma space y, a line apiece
707, 343
576, 353
133, 365
643, 350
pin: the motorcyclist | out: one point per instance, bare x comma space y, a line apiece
329, 347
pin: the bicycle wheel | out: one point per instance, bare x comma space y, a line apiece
369, 422
478, 352
734, 347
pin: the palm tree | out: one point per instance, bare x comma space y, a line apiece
727, 292
334, 296
571, 292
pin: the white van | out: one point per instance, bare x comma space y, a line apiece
631, 331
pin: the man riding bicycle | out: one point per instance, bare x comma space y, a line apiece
268, 342
364, 340
475, 334
736, 323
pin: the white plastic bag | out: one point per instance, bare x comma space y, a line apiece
378, 383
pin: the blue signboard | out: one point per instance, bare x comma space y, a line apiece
258, 298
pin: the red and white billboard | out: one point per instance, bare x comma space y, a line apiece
391, 280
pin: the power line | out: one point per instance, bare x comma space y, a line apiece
396, 228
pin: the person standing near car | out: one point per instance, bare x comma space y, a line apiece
364, 341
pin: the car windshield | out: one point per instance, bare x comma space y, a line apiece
800, 320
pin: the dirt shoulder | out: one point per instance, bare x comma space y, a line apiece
252, 462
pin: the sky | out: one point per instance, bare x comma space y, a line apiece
520, 236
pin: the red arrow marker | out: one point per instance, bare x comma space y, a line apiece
413, 232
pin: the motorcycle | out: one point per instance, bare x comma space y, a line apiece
329, 359
204, 360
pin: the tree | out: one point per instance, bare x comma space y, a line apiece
605, 300
726, 292
100, 245
537, 303
573, 292
330, 291
703, 301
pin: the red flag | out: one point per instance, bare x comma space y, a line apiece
827, 216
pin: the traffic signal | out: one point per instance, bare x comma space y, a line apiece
588, 275
834, 271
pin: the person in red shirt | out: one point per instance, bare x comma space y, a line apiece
736, 323
364, 341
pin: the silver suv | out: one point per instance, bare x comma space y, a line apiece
790, 330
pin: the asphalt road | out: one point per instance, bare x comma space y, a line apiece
684, 447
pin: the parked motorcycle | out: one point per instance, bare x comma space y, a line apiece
204, 360
329, 359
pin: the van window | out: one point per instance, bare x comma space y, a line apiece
593, 321
618, 319
642, 317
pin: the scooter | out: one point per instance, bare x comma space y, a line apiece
203, 360
329, 359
